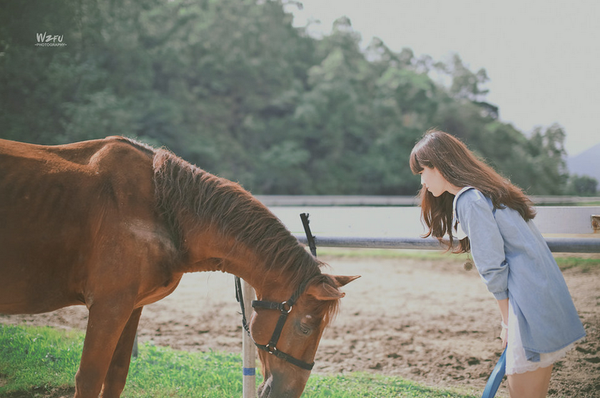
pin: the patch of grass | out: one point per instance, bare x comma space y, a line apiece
357, 385
40, 361
583, 262
38, 357
164, 372
590, 203
389, 253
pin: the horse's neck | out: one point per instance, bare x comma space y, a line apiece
206, 214
208, 250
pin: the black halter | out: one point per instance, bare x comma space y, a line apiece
284, 308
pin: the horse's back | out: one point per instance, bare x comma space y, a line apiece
82, 156
62, 181
57, 205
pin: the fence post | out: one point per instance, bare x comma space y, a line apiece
595, 223
249, 350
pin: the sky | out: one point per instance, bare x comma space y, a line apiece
542, 56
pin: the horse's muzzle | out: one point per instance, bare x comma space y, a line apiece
271, 389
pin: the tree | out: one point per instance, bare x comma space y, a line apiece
582, 185
233, 87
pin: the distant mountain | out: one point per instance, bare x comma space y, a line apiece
586, 163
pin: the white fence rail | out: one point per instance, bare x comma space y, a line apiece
405, 222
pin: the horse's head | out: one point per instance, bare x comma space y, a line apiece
286, 366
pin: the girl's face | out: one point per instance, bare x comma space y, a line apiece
435, 183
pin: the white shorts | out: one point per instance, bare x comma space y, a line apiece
516, 360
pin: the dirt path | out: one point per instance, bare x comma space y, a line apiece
429, 321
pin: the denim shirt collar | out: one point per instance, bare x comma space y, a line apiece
455, 221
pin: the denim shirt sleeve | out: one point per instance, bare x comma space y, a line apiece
476, 215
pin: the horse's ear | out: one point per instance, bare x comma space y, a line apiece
325, 291
343, 280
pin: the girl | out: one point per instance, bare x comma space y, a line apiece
461, 195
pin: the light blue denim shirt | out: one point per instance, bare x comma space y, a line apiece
515, 262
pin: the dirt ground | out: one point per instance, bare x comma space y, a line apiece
429, 321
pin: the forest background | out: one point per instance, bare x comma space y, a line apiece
233, 87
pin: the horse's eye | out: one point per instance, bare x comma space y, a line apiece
305, 329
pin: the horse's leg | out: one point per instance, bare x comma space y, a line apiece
119, 367
106, 322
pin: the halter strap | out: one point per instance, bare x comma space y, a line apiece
284, 308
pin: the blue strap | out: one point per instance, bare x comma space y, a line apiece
495, 378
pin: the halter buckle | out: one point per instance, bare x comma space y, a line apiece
283, 309
270, 349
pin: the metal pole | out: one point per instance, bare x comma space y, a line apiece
249, 350
558, 245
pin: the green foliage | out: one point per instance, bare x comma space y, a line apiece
233, 87
42, 359
582, 185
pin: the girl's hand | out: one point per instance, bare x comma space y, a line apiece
504, 335
503, 306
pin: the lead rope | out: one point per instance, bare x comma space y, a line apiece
309, 236
240, 298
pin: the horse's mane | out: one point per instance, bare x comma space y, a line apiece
187, 194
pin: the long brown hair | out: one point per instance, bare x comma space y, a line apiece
461, 168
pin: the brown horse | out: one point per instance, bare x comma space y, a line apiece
113, 224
